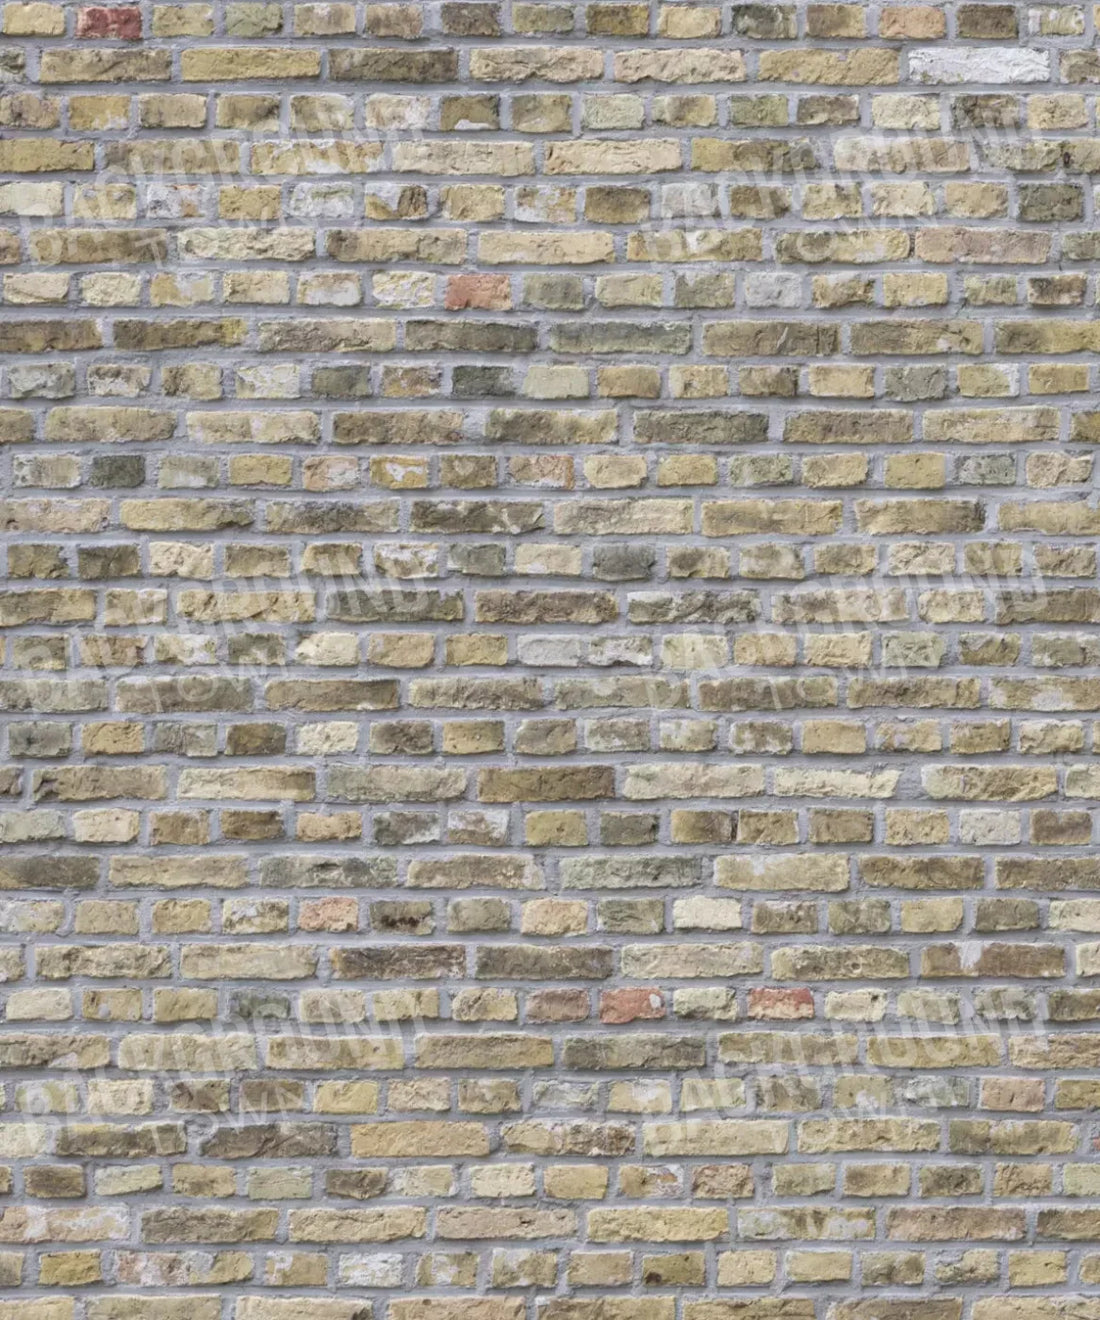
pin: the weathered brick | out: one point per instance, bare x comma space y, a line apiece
449, 512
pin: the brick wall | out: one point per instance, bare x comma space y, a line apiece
550, 661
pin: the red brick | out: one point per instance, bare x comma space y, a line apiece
122, 23
487, 292
630, 1005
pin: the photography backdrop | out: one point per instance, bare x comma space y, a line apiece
551, 670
